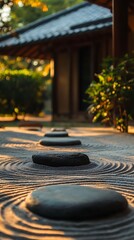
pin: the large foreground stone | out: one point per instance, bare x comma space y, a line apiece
66, 141
56, 134
72, 202
58, 159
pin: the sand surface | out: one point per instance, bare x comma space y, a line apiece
112, 166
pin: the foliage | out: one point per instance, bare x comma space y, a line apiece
7, 5
21, 16
13, 63
38, 66
17, 13
16, 63
112, 93
57, 5
21, 92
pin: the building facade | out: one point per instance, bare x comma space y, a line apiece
76, 39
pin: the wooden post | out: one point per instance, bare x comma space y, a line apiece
70, 82
120, 27
54, 89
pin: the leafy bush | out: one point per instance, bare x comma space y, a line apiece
21, 91
112, 93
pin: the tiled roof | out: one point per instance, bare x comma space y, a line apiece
85, 17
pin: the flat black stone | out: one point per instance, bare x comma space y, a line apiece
73, 202
66, 141
58, 159
56, 134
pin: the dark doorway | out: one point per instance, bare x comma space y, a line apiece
84, 75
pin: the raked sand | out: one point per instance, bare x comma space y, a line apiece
112, 167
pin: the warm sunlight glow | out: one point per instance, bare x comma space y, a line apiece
35, 3
46, 70
52, 68
5, 12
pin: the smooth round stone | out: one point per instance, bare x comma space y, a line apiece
56, 134
58, 129
73, 202
66, 141
58, 159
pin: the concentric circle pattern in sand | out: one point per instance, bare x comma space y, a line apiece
112, 167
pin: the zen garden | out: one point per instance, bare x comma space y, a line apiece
66, 119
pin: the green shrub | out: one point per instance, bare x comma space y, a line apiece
111, 94
21, 92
